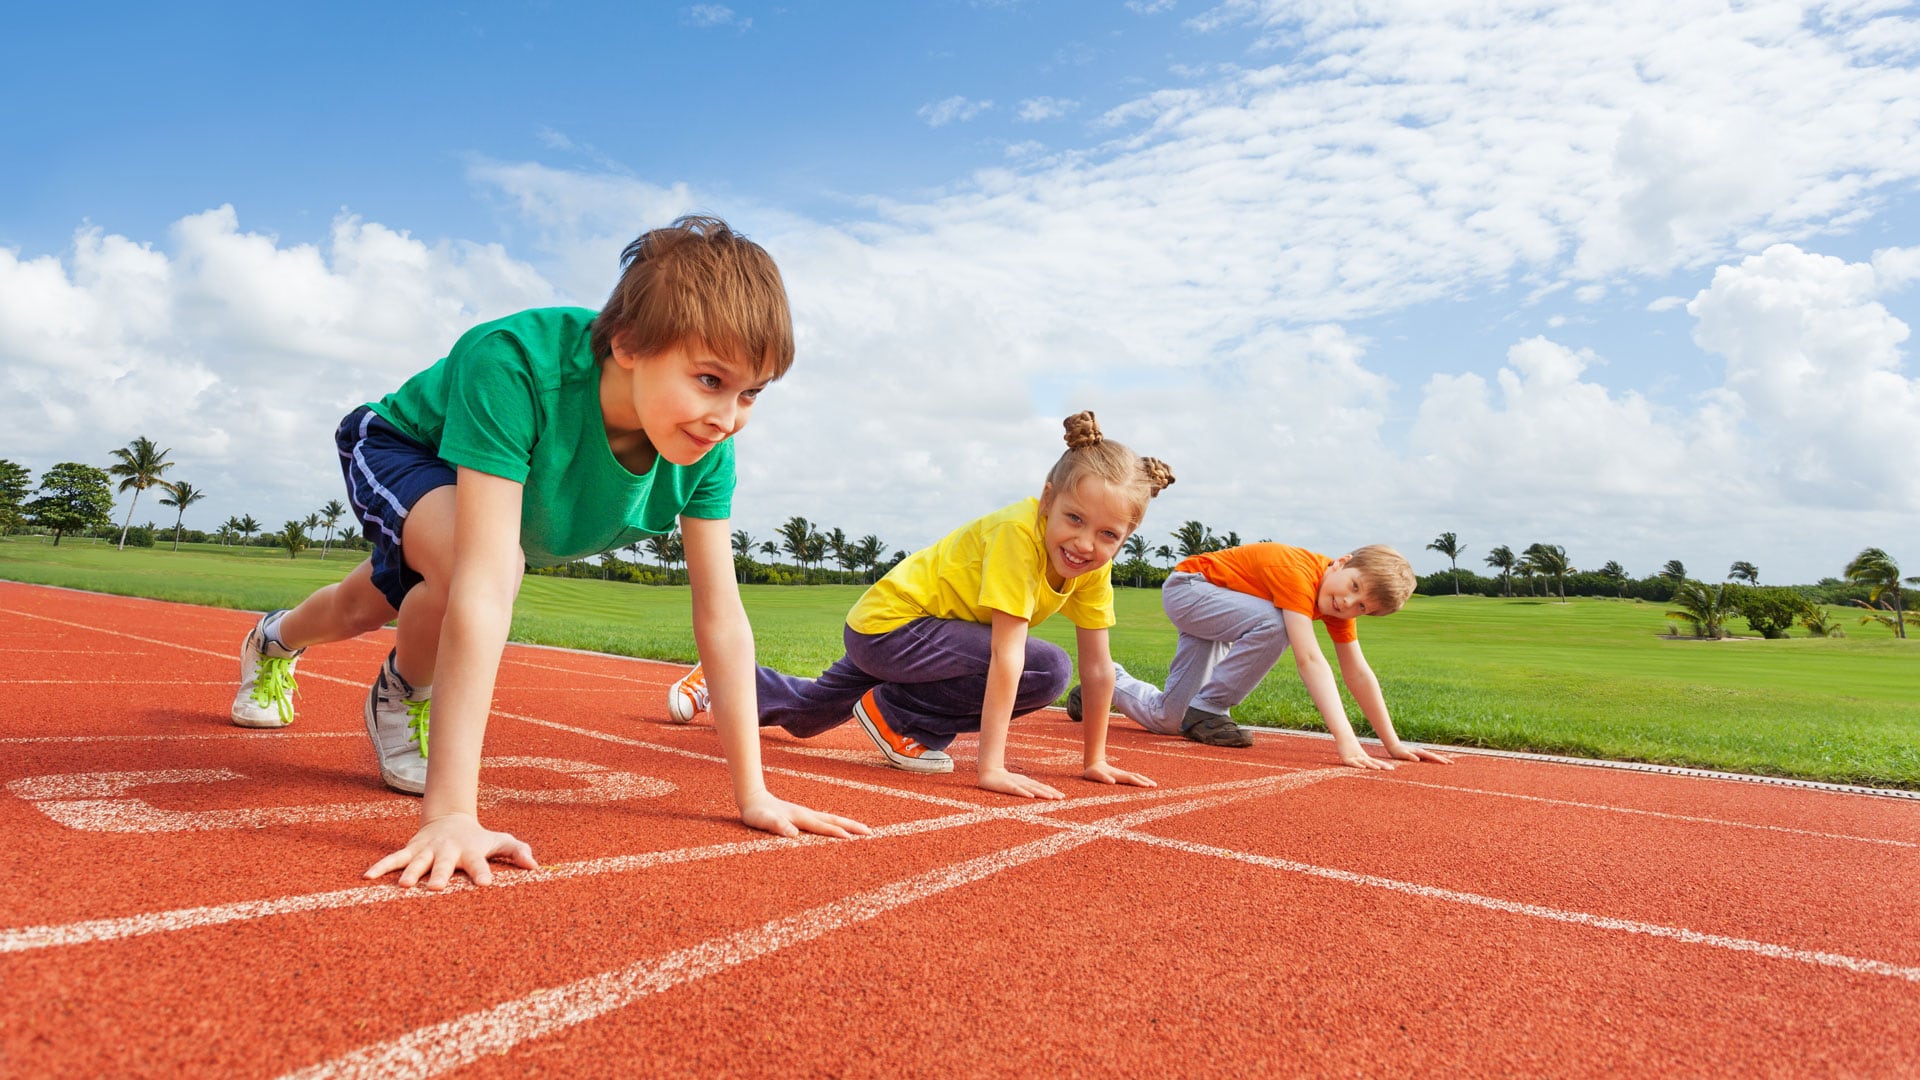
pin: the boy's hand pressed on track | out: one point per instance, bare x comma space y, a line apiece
1104, 773
1420, 753
446, 845
774, 815
1012, 783
1360, 759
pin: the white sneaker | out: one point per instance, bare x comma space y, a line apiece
265, 697
397, 717
687, 698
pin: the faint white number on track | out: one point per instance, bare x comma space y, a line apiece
98, 802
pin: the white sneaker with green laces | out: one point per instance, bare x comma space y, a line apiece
265, 697
397, 714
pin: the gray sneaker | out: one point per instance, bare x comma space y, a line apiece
397, 717
1213, 729
265, 697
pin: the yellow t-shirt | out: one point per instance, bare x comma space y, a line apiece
996, 563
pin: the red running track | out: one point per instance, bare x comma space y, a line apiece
185, 897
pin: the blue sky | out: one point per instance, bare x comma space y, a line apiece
1633, 279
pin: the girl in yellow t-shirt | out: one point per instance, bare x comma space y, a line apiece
940, 646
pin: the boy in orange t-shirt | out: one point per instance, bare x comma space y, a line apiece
1237, 610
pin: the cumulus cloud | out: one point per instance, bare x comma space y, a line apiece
237, 351
717, 15
1196, 277
951, 110
1035, 109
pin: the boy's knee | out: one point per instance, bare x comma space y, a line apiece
1049, 669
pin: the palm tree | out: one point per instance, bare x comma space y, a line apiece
816, 548
180, 495
1675, 571
330, 516
867, 553
743, 543
1449, 545
838, 544
1163, 553
1551, 560
1617, 574
293, 537
229, 529
657, 547
1193, 539
769, 549
1704, 607
1503, 559
1744, 571
348, 535
1136, 549
248, 527
1876, 569
793, 537
141, 464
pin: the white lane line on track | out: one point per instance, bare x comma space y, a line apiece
1727, 822
93, 930
1537, 911
1397, 778
437, 1048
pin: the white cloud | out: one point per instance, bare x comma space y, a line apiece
1150, 7
1814, 361
233, 350
949, 110
1045, 108
1666, 303
717, 15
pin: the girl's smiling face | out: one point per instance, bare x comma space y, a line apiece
1085, 527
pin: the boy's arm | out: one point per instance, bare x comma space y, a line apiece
1365, 688
725, 640
484, 575
1318, 675
1007, 664
1096, 696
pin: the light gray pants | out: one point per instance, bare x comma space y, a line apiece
1228, 643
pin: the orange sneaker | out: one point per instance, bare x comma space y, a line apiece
687, 698
901, 752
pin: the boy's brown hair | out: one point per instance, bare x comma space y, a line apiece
1386, 580
697, 280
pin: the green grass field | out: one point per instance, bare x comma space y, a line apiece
1593, 678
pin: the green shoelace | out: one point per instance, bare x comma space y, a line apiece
417, 722
273, 684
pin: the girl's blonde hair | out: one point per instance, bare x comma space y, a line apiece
1090, 454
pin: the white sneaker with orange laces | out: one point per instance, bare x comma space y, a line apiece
687, 698
901, 752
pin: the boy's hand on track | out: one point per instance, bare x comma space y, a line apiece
1420, 753
1359, 759
450, 844
1104, 773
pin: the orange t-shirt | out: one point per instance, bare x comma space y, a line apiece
1286, 577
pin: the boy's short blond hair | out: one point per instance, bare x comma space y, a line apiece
697, 280
1386, 579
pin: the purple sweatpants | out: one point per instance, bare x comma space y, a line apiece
931, 676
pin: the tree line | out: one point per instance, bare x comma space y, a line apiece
1870, 581
75, 499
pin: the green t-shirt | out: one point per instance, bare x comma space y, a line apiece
519, 398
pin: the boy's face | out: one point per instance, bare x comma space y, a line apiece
1085, 527
1341, 593
685, 399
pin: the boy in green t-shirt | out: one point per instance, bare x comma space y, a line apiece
547, 436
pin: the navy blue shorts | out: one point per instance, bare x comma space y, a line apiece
387, 473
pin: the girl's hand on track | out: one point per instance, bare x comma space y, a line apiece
446, 845
1420, 753
769, 814
1012, 783
1104, 773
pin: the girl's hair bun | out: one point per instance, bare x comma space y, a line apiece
1082, 431
1159, 474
